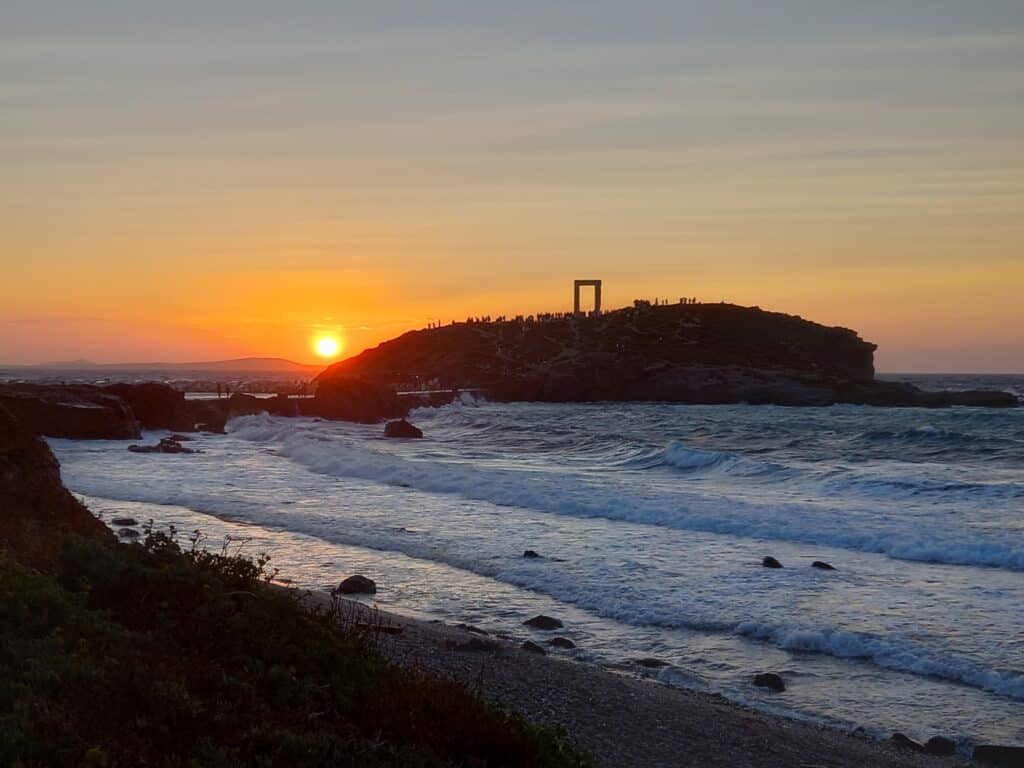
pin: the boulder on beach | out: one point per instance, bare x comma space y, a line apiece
402, 428
357, 585
562, 642
822, 565
902, 740
544, 622
771, 562
532, 647
993, 756
770, 680
939, 745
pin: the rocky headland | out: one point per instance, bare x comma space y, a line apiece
682, 353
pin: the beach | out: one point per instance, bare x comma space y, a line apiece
619, 718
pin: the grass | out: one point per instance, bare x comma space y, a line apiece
149, 655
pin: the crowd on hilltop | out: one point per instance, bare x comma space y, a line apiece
550, 317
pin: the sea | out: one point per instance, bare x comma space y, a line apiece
651, 521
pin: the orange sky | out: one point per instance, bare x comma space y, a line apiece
185, 185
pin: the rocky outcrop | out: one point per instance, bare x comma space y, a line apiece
36, 510
349, 398
403, 429
771, 562
78, 412
700, 354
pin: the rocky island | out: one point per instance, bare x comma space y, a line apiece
682, 353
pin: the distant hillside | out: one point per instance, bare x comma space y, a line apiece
241, 364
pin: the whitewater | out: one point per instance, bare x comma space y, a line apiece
651, 521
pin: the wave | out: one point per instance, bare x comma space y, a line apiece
903, 657
323, 449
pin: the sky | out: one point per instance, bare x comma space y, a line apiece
207, 180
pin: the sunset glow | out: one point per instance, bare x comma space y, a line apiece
857, 168
327, 346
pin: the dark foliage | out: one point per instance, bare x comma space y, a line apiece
147, 655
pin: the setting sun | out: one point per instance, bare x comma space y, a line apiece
327, 346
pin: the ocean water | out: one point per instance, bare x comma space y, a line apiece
652, 521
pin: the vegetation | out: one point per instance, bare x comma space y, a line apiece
151, 655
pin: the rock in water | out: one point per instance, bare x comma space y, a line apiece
992, 756
822, 565
543, 622
124, 521
770, 680
562, 642
357, 585
402, 428
532, 647
940, 745
348, 398
166, 445
530, 553
771, 562
902, 740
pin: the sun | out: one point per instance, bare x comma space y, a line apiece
327, 346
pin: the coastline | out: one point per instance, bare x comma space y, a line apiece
619, 719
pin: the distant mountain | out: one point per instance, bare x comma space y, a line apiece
239, 364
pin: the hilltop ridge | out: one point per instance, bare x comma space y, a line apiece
687, 353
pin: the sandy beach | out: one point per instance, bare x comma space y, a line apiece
620, 719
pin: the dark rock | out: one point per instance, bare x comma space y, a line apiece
530, 553
543, 622
402, 428
902, 740
993, 756
166, 445
36, 510
123, 521
562, 642
476, 644
180, 438
771, 562
939, 745
357, 585
349, 398
650, 663
685, 353
822, 565
76, 412
128, 533
156, 406
770, 680
532, 647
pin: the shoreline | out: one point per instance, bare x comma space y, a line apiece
619, 719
